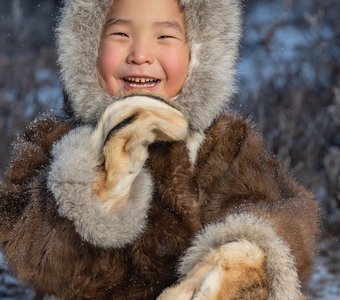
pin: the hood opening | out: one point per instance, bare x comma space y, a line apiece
213, 32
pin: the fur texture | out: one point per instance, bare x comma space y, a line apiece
72, 175
144, 120
233, 179
108, 203
199, 180
280, 264
194, 142
213, 31
235, 270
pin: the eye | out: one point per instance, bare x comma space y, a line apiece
117, 34
120, 34
162, 37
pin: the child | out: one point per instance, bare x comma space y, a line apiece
147, 187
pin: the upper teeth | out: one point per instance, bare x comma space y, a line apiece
142, 80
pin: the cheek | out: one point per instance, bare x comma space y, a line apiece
176, 64
108, 62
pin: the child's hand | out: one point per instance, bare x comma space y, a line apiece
233, 271
125, 130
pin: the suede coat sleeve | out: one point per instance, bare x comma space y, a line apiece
233, 180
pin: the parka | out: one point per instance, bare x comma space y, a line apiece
211, 188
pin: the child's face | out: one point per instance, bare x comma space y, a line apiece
144, 49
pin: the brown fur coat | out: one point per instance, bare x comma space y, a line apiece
233, 176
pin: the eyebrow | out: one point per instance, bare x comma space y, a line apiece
116, 21
170, 24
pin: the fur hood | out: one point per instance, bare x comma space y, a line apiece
213, 32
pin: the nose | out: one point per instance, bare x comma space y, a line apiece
140, 53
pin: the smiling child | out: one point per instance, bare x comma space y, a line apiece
147, 186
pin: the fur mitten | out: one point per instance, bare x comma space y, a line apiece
236, 270
97, 175
125, 130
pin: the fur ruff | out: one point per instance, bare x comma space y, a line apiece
213, 32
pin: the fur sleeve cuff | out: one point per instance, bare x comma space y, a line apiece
71, 177
280, 264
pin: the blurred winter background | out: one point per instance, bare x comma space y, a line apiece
289, 85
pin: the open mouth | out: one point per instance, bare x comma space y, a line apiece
140, 82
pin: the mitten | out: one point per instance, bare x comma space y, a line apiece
236, 270
97, 175
233, 271
125, 130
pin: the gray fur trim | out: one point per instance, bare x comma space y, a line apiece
213, 30
280, 264
72, 174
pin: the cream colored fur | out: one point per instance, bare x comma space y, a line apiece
224, 273
98, 182
126, 152
280, 265
193, 144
